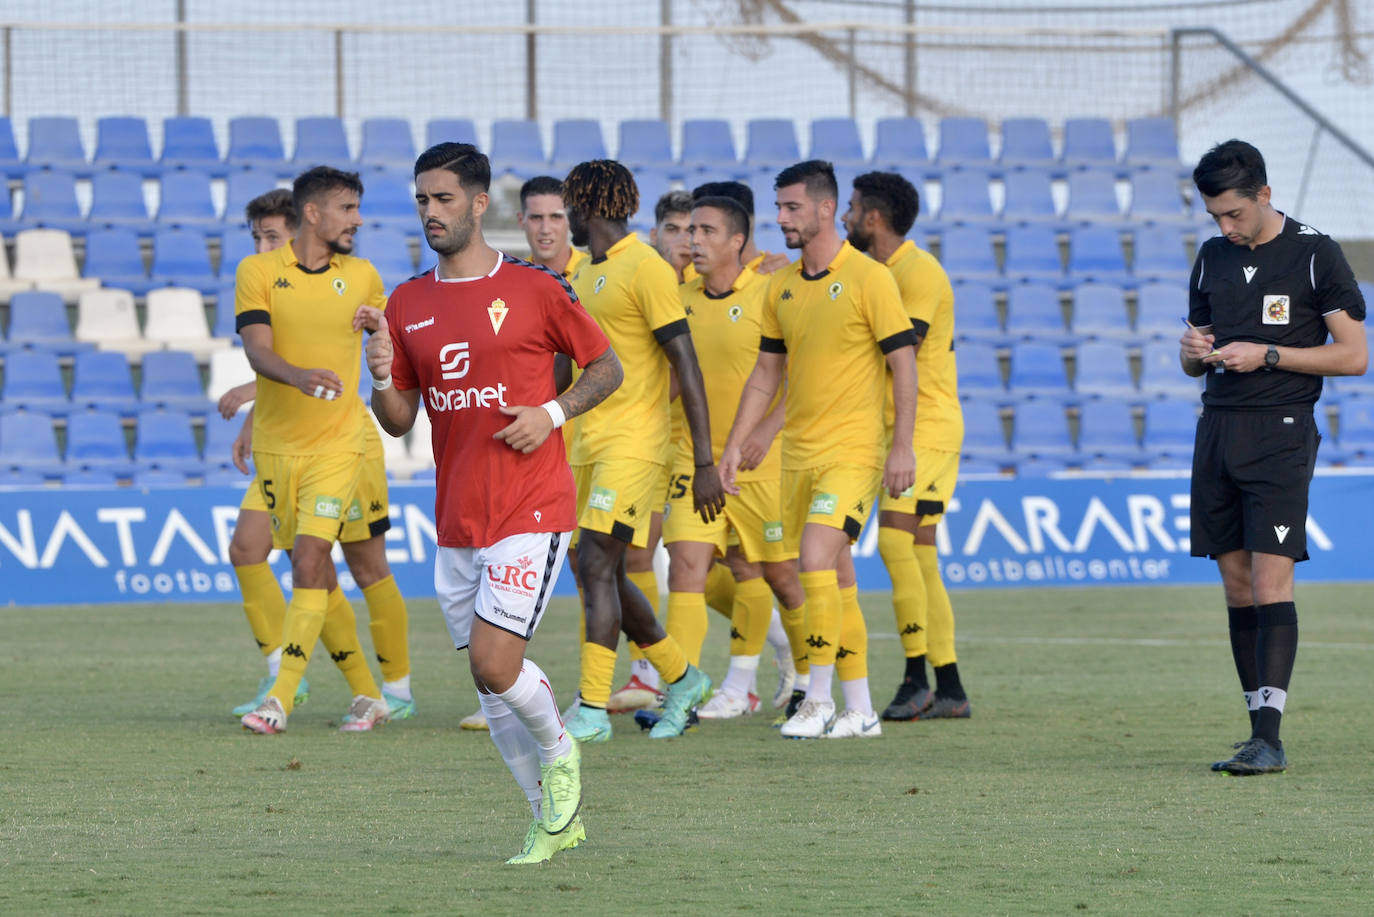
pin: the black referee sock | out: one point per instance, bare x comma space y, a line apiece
916, 671
947, 682
1244, 633
1276, 649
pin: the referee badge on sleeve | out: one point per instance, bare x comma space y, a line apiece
1275, 310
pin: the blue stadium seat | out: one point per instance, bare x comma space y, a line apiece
974, 467
1106, 429
1329, 451
975, 309
89, 477
1156, 198
576, 140
186, 200
1099, 311
769, 238
164, 440
236, 246
772, 144
1034, 312
17, 478
96, 441
11, 166
50, 202
449, 130
964, 197
1038, 371
1170, 426
225, 326
966, 254
652, 185
1095, 255
1159, 306
240, 187
188, 142
8, 224
1033, 255
1026, 144
1092, 197
1040, 429
645, 143
155, 478
708, 144
180, 259
219, 439
980, 374
387, 144
1159, 254
38, 319
321, 141
765, 198
117, 200
33, 381
984, 434
837, 141
1103, 370
27, 441
1088, 143
516, 147
1029, 197
101, 379
122, 143
964, 142
255, 142
55, 143
171, 379
389, 200
1160, 373
1152, 142
114, 258
900, 145
1356, 421
389, 251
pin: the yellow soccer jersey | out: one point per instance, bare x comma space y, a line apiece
689, 273
576, 258
311, 315
632, 293
725, 333
929, 302
835, 328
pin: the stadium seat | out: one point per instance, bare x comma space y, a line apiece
89, 477
769, 238
899, 145
1033, 255
389, 200
44, 258
1099, 311
321, 141
1095, 255
1103, 370
1356, 421
38, 319
984, 433
8, 284
1088, 143
27, 441
966, 254
1159, 254
964, 142
1029, 197
1040, 429
219, 440
387, 144
451, 130
171, 379
389, 251
114, 258
980, 374
236, 245
1159, 306
645, 143
240, 187
186, 200
50, 202
155, 478
1037, 371
188, 142
33, 382
652, 185
1026, 144
516, 147
1170, 427
55, 143
224, 324
576, 140
1156, 198
1092, 197
976, 311
8, 224
708, 144
1034, 313
107, 319
11, 166
176, 318
836, 140
117, 200
122, 143
164, 440
1106, 429
228, 368
96, 441
255, 142
964, 197
765, 198
1152, 142
1160, 373
772, 144
180, 259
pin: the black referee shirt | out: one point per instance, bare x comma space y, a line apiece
1276, 293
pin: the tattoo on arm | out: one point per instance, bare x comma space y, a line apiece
599, 378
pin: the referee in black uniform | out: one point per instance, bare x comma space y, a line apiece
1264, 297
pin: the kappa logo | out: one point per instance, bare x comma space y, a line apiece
735, 635
293, 649
454, 360
497, 312
1249, 273
687, 310
912, 628
283, 284
859, 508
375, 506
815, 641
341, 655
1281, 532
786, 294
842, 652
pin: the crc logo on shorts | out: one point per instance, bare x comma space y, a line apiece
520, 578
908, 492
328, 507
355, 512
454, 360
772, 532
823, 505
1275, 310
602, 499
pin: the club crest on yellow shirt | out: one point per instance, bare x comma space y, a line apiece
735, 313
339, 285
600, 284
497, 311
835, 290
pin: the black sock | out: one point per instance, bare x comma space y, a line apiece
916, 671
1276, 649
1244, 633
947, 682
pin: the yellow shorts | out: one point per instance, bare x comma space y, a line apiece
618, 496
840, 496
753, 520
369, 515
936, 474
307, 494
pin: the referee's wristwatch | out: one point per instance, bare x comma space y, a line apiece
1271, 358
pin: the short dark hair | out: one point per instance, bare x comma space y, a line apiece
818, 176
601, 188
672, 202
540, 184
312, 183
275, 203
736, 217
736, 190
462, 159
891, 195
1231, 166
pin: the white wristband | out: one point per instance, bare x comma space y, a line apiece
381, 384
555, 412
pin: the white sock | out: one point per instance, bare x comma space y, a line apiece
1251, 699
739, 678
857, 696
531, 700
398, 688
819, 688
645, 671
516, 746
1272, 697
273, 662
777, 637
803, 682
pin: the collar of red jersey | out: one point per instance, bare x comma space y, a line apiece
500, 257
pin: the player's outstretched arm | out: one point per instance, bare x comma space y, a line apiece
257, 344
759, 390
533, 423
707, 494
899, 472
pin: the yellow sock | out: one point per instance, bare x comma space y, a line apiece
300, 630
720, 590
822, 615
939, 612
647, 581
908, 589
598, 670
263, 604
851, 661
686, 623
387, 619
794, 623
667, 656
753, 614
340, 637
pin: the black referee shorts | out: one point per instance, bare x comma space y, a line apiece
1251, 473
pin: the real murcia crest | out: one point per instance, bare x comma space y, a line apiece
1249, 273
497, 311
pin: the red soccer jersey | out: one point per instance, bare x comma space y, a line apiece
471, 346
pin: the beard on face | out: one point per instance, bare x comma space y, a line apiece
857, 239
457, 237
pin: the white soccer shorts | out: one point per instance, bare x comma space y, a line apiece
508, 584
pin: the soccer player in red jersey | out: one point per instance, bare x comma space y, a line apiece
476, 338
